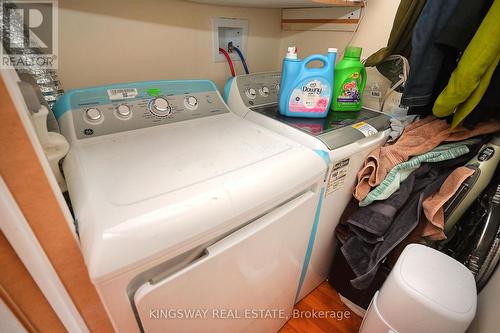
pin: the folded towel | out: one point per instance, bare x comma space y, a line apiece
400, 172
418, 138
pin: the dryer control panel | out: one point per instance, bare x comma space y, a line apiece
259, 89
97, 111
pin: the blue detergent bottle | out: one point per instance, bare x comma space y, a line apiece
306, 92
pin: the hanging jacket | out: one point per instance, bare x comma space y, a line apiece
426, 58
402, 28
488, 108
474, 69
449, 43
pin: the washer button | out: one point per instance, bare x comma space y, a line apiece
160, 104
93, 114
123, 110
251, 93
264, 91
191, 102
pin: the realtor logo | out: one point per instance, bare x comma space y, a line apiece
29, 34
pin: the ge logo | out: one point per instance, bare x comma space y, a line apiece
88, 131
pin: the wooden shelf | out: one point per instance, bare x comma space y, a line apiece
334, 18
281, 3
340, 3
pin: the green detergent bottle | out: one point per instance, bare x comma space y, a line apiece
350, 80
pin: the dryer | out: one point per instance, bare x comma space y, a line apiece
189, 217
343, 140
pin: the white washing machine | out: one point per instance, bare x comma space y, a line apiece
190, 218
343, 140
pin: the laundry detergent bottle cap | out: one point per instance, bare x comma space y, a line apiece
291, 52
350, 81
306, 91
353, 52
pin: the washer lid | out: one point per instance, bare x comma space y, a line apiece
438, 278
169, 188
340, 128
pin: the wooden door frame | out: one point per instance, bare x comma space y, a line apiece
28, 177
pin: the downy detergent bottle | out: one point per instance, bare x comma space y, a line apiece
350, 81
306, 92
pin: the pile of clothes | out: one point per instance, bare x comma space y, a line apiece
402, 188
450, 103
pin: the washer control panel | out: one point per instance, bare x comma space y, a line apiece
259, 89
118, 108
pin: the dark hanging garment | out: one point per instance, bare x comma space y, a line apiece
463, 24
402, 29
451, 41
489, 106
471, 78
426, 58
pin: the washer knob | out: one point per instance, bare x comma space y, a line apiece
123, 110
251, 93
160, 107
191, 102
93, 114
264, 91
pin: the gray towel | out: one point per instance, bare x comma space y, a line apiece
380, 227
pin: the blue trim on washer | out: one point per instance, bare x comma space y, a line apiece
324, 155
310, 245
227, 88
94, 96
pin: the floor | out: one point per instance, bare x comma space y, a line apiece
322, 302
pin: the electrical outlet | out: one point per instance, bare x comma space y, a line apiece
229, 30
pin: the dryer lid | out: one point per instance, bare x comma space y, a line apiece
141, 193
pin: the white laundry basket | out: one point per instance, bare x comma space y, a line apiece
426, 291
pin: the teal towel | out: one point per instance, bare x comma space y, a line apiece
401, 171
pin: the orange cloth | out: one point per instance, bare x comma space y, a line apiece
418, 138
433, 205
